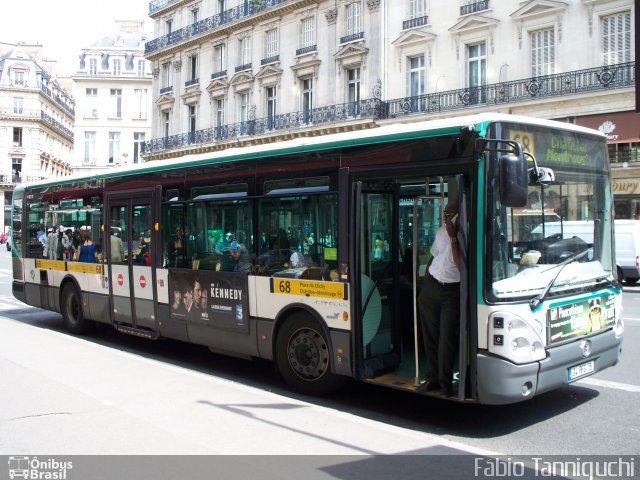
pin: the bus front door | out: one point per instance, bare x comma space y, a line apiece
130, 251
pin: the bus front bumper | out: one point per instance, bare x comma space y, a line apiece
501, 382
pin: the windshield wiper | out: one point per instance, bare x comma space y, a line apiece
535, 301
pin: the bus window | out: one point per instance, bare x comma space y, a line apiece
219, 235
297, 233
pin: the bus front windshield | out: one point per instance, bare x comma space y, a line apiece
561, 240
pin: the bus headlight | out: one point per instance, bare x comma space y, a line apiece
513, 338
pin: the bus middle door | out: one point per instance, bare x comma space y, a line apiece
130, 253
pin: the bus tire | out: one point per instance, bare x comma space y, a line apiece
71, 308
303, 356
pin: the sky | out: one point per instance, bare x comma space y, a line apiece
63, 28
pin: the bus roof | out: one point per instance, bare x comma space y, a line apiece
386, 133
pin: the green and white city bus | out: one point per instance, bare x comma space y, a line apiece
311, 252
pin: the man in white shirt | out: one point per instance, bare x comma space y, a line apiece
439, 303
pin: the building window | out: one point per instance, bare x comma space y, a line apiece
18, 105
353, 19
477, 72
193, 67
616, 38
114, 147
417, 75
222, 6
195, 15
417, 9
93, 66
17, 136
89, 148
191, 118
142, 67
271, 43
168, 24
16, 170
307, 99
165, 124
218, 120
244, 107
116, 103
138, 141
542, 52
244, 51
219, 113
116, 66
18, 78
270, 94
353, 91
166, 75
91, 102
308, 33
219, 64
140, 105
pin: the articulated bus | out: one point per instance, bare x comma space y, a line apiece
311, 252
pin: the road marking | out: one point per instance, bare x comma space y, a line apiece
608, 384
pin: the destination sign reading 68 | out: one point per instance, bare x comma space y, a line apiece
309, 288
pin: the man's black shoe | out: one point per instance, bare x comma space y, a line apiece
428, 387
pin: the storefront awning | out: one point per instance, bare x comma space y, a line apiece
619, 127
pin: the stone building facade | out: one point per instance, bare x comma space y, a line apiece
240, 72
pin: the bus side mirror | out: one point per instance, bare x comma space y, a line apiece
514, 179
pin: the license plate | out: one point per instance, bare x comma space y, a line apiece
582, 370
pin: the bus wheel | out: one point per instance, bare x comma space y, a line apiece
303, 357
71, 308
619, 273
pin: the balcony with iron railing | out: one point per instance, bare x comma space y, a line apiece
474, 7
47, 91
303, 50
526, 90
317, 116
208, 24
158, 4
246, 66
57, 125
12, 179
268, 60
351, 38
415, 22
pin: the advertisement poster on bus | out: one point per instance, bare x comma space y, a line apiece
575, 319
220, 300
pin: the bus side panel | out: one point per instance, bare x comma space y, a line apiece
225, 340
334, 311
169, 327
99, 307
